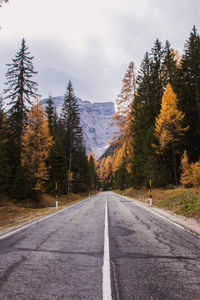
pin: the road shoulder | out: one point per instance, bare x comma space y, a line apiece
188, 223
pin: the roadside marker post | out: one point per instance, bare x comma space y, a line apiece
150, 199
56, 195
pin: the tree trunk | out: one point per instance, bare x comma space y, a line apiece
69, 171
174, 156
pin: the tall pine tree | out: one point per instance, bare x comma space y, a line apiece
188, 91
73, 142
19, 92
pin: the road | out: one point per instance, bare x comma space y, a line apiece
75, 255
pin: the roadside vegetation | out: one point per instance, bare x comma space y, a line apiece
13, 213
179, 200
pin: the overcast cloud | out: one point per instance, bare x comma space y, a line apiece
91, 42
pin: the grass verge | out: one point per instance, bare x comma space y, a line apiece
180, 200
14, 213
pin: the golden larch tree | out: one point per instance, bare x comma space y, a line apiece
196, 173
168, 126
124, 102
36, 143
123, 118
186, 171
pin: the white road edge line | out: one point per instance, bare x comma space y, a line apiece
155, 213
37, 221
106, 259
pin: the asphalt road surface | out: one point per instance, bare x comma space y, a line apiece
105, 247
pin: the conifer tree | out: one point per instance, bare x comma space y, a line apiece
168, 126
191, 60
73, 138
57, 159
5, 169
157, 80
19, 92
196, 173
123, 116
124, 101
50, 111
188, 90
143, 111
157, 69
186, 171
170, 65
92, 171
36, 143
21, 88
108, 172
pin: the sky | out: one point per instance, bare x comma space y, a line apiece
90, 42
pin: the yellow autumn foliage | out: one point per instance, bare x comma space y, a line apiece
94, 159
124, 103
36, 143
168, 128
196, 173
186, 174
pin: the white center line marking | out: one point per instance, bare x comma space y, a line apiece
106, 259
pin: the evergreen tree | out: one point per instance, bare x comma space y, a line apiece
20, 89
143, 115
56, 163
121, 178
156, 70
157, 80
5, 169
170, 65
73, 139
50, 113
188, 90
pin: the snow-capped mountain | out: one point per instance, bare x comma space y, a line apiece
95, 120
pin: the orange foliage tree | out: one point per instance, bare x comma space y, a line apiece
123, 118
168, 128
125, 100
36, 143
186, 174
196, 173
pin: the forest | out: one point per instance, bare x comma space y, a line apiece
158, 114
39, 150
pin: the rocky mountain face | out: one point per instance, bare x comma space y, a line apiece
95, 120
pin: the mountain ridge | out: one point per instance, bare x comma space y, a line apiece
95, 119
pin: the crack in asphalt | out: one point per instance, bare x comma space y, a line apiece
46, 238
93, 254
115, 281
11, 269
